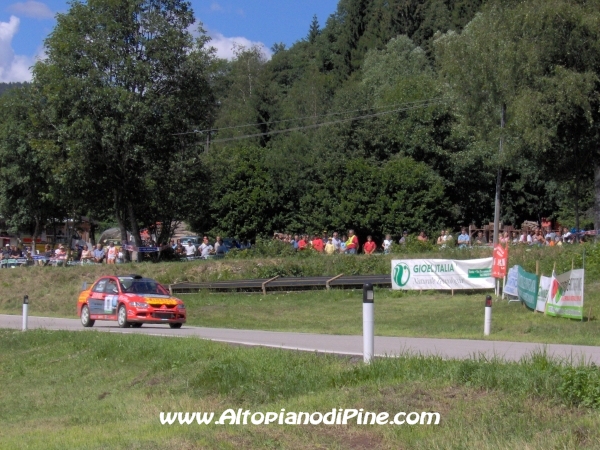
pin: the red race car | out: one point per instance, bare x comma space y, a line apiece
131, 300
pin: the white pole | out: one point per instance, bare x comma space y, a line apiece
487, 323
25, 311
368, 323
503, 286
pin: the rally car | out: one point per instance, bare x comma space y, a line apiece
131, 300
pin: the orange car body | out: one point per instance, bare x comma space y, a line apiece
142, 300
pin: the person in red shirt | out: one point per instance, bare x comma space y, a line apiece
317, 244
369, 246
302, 243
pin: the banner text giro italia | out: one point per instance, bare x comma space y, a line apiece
283, 417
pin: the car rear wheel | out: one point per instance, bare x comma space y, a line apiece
137, 325
85, 317
175, 325
122, 317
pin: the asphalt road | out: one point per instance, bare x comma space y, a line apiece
345, 345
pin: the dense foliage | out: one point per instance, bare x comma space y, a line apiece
386, 118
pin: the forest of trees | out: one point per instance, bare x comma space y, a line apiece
387, 117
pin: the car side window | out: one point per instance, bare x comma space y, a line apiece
99, 287
111, 287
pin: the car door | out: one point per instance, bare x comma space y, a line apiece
96, 299
111, 296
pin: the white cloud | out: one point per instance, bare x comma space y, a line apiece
12, 67
31, 8
225, 45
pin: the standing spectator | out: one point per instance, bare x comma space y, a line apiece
464, 239
369, 246
566, 237
538, 238
336, 241
329, 247
60, 252
524, 236
387, 244
318, 244
86, 254
47, 253
480, 239
190, 249
302, 243
404, 237
351, 243
205, 248
99, 254
422, 237
441, 240
295, 242
111, 254
220, 248
343, 244
15, 252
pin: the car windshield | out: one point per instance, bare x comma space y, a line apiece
141, 286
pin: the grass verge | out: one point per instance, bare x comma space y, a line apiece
97, 390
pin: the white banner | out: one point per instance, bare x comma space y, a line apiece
543, 293
565, 295
419, 274
511, 287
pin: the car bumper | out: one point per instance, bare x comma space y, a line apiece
156, 316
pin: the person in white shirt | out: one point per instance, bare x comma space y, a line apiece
190, 250
387, 243
205, 248
336, 242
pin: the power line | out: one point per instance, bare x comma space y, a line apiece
305, 127
303, 118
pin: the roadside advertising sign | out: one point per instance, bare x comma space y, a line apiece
511, 287
527, 286
442, 274
543, 293
500, 261
565, 296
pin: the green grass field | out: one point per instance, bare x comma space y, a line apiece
97, 390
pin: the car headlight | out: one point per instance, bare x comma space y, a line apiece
182, 306
139, 304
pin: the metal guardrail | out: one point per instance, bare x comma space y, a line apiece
260, 284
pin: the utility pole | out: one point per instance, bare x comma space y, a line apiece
499, 176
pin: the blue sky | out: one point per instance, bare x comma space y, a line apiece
25, 23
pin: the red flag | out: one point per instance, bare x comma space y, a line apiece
500, 261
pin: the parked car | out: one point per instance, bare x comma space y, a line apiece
131, 300
196, 240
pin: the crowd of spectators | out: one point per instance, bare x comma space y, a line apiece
326, 243
206, 249
334, 243
348, 243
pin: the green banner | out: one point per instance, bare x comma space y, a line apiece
527, 287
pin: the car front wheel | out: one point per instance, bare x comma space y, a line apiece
175, 325
85, 317
122, 317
